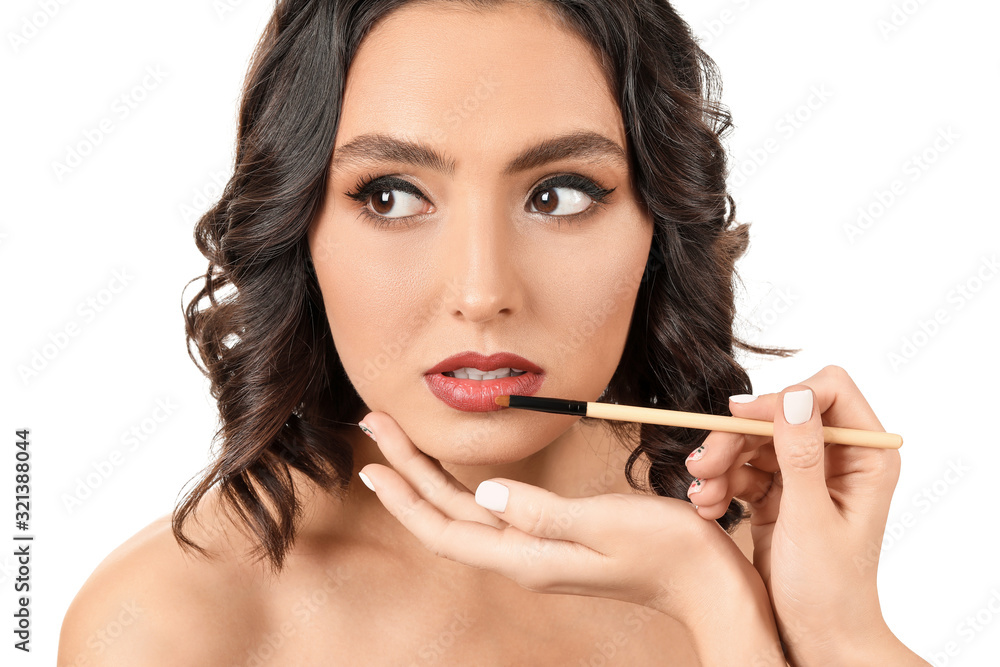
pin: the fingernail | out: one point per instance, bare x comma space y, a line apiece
743, 398
697, 454
368, 482
797, 406
368, 432
695, 486
492, 496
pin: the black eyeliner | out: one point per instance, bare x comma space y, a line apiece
577, 182
369, 185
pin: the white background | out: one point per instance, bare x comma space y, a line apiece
833, 103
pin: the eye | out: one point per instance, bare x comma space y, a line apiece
569, 200
390, 198
385, 201
391, 201
567, 196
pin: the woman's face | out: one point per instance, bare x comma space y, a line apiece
491, 137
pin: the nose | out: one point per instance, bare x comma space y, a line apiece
478, 258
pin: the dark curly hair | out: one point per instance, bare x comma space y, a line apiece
263, 334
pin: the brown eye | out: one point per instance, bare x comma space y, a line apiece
571, 200
383, 202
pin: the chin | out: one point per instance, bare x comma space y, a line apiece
486, 456
494, 444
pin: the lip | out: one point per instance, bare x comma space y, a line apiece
485, 363
478, 395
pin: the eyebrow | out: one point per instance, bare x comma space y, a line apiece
377, 147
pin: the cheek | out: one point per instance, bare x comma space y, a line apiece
368, 297
591, 300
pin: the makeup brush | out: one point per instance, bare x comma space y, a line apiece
632, 413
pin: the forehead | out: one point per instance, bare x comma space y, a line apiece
478, 83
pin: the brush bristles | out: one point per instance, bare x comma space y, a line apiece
502, 400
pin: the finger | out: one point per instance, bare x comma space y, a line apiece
750, 483
762, 534
721, 474
744, 482
721, 450
716, 454
434, 483
536, 563
760, 406
837, 399
764, 508
542, 513
764, 459
798, 443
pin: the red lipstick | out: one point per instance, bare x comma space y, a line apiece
471, 395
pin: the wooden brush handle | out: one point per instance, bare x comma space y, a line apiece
831, 434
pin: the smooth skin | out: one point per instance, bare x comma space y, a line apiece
812, 531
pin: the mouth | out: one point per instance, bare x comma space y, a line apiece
467, 373
470, 381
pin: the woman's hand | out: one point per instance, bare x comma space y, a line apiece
817, 529
647, 550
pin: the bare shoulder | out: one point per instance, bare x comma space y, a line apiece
151, 603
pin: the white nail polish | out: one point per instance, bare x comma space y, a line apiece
743, 398
368, 482
797, 406
492, 496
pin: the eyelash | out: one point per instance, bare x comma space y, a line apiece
369, 185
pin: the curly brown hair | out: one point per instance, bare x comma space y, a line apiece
264, 337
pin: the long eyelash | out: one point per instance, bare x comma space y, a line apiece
597, 193
577, 182
369, 184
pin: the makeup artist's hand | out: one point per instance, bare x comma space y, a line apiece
817, 531
643, 549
